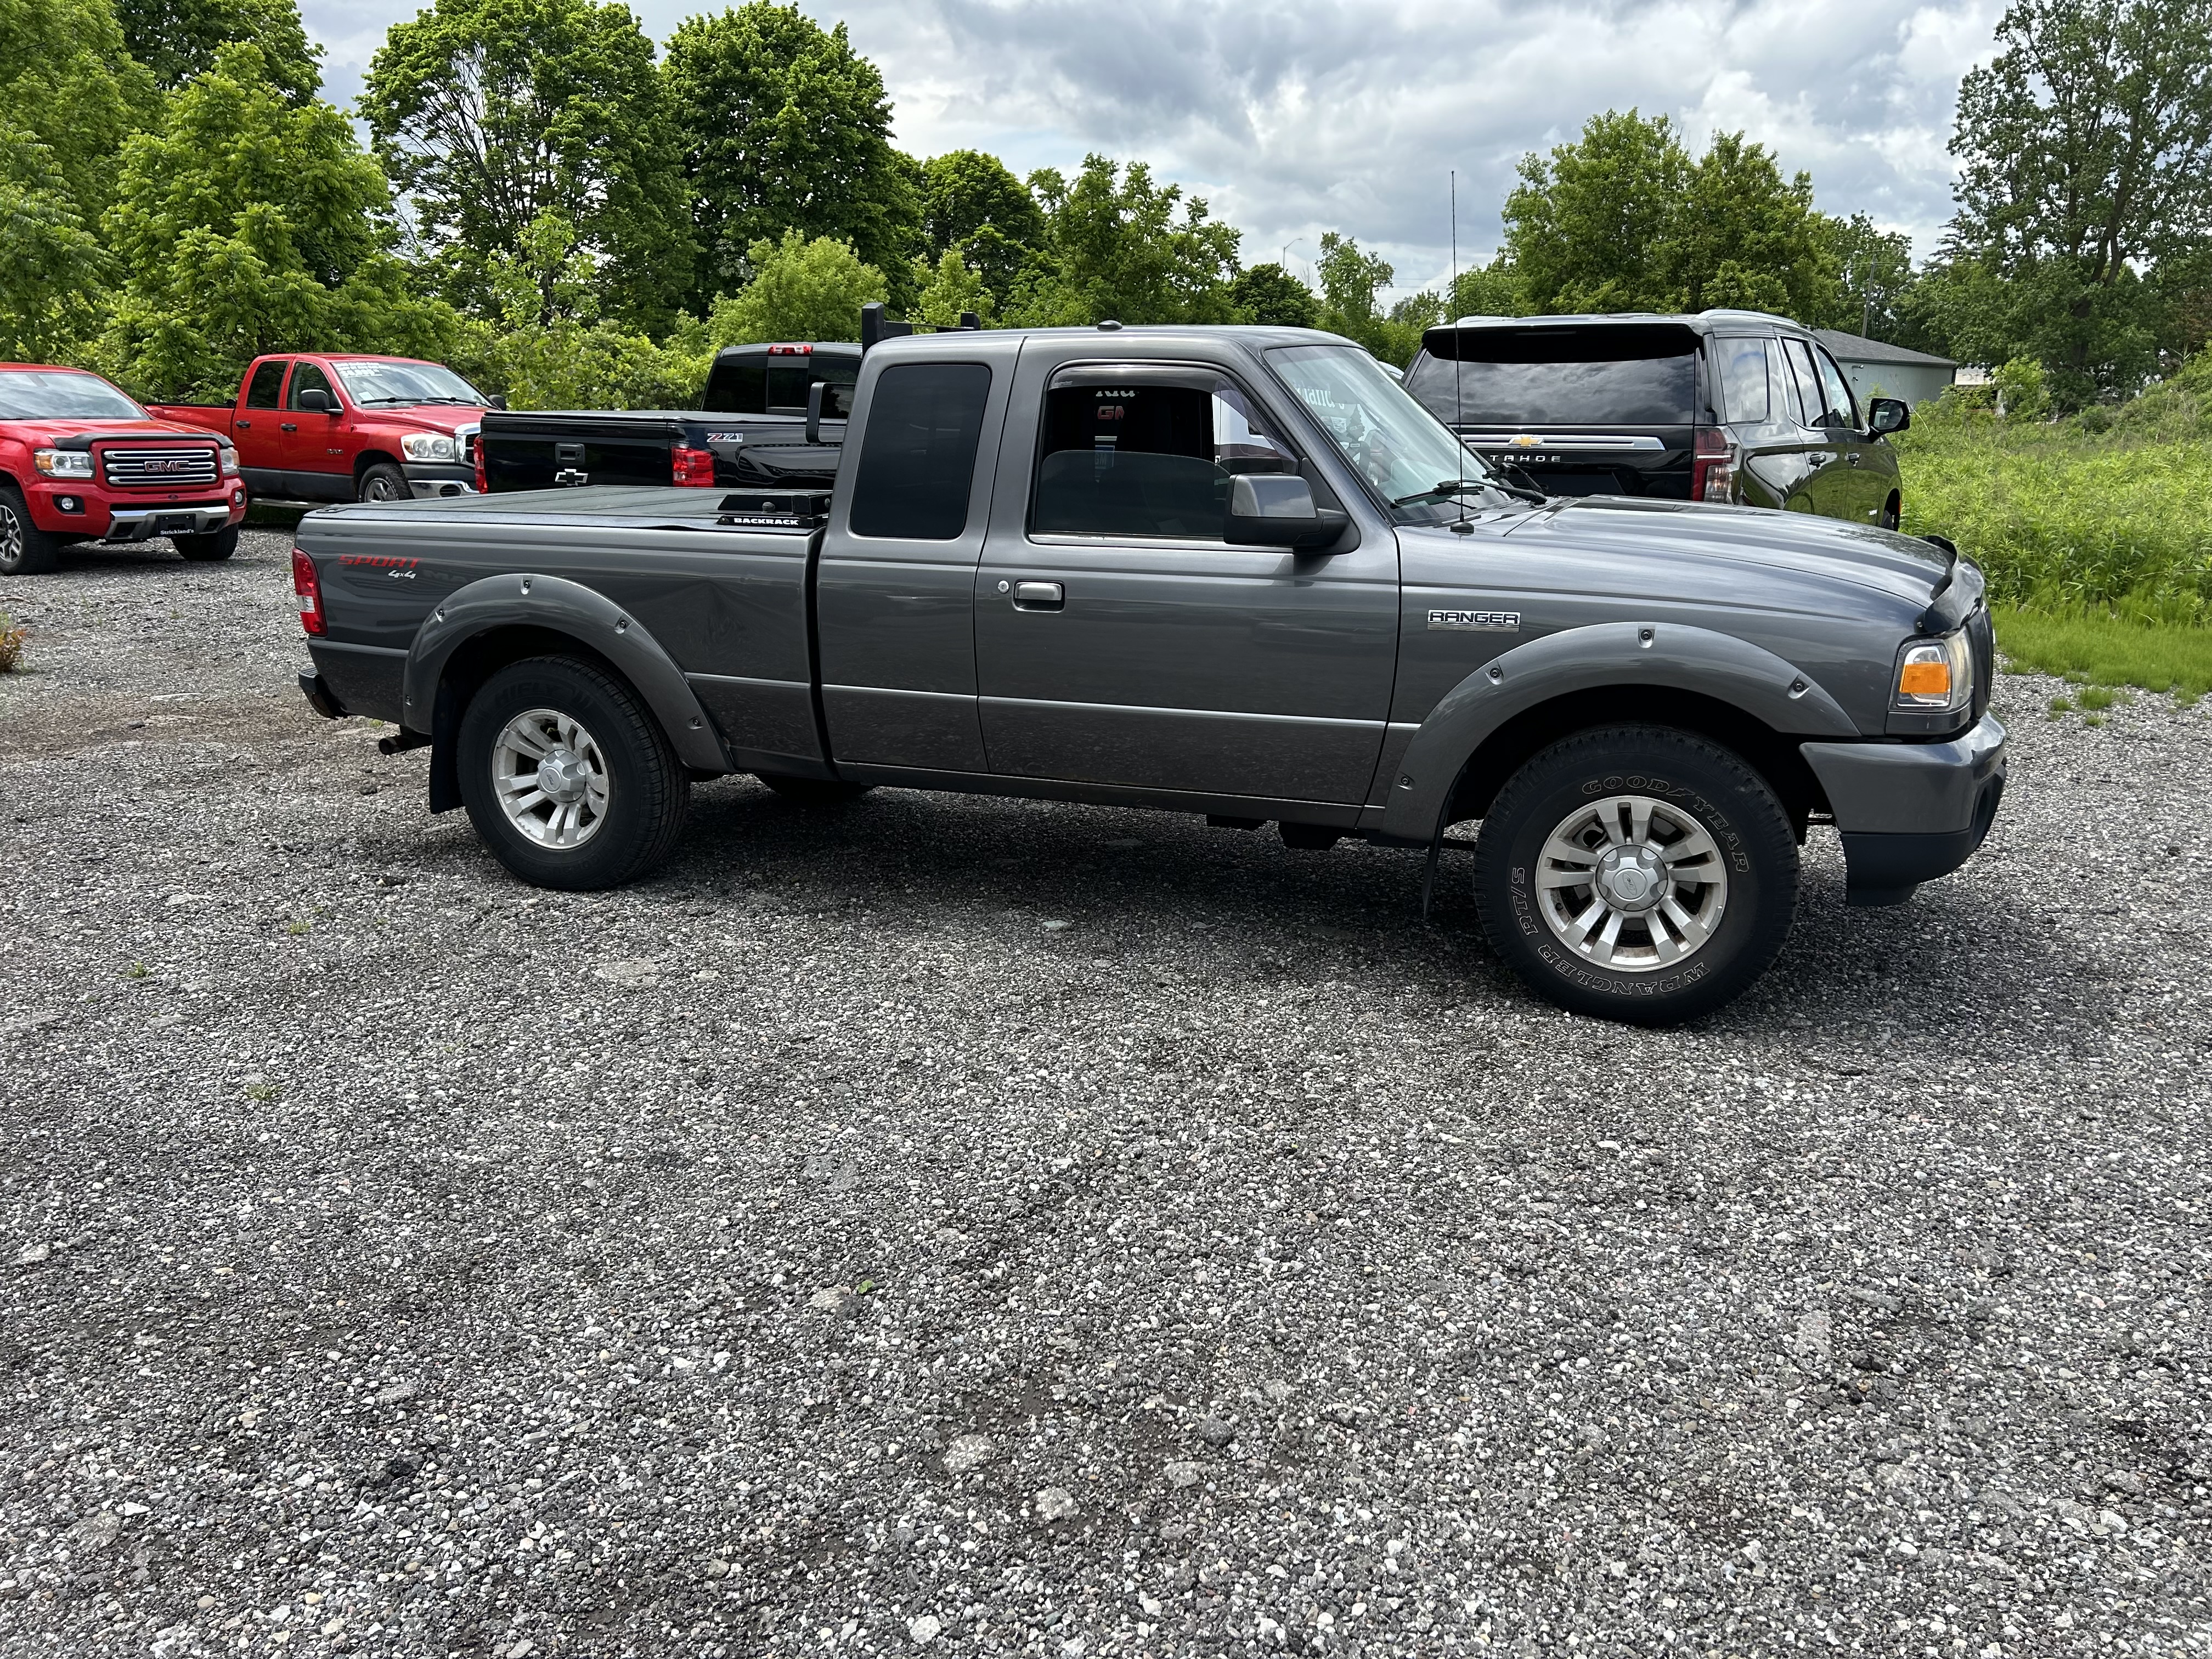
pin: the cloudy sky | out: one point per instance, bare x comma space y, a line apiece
1294, 117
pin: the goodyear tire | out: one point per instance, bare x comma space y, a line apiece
567, 777
1637, 873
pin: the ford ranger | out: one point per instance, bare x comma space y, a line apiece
1235, 571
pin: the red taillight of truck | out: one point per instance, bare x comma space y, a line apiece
477, 449
692, 467
308, 592
1712, 466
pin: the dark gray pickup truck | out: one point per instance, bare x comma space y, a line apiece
1236, 571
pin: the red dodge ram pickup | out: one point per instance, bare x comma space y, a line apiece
344, 426
80, 462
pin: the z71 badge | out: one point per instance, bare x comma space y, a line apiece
1477, 622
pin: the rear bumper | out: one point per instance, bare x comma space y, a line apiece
355, 680
1908, 813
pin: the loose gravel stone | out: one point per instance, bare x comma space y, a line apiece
408, 1262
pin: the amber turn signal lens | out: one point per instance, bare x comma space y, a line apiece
1925, 680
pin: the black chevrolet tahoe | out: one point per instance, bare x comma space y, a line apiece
1729, 406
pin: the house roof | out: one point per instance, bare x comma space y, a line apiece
1859, 349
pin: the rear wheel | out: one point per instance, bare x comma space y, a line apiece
567, 777
819, 792
380, 481
1640, 873
1892, 511
24, 550
206, 550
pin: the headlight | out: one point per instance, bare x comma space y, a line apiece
1934, 677
429, 446
228, 461
63, 463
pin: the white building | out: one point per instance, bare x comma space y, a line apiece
1876, 370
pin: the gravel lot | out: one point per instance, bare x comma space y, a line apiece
994, 1227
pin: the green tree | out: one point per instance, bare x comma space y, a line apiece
1587, 227
800, 290
177, 39
948, 288
1738, 235
491, 113
66, 82
51, 266
784, 127
1491, 290
1119, 245
1873, 272
970, 201
1267, 294
2085, 151
1349, 282
249, 224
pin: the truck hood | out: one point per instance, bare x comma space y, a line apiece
1835, 549
448, 418
59, 432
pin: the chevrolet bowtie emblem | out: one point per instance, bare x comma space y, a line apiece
1526, 440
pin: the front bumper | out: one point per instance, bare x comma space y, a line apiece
1908, 813
136, 523
84, 510
426, 479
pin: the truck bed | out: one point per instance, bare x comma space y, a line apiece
543, 449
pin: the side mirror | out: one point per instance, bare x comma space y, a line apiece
498, 401
1887, 414
1276, 509
315, 400
814, 391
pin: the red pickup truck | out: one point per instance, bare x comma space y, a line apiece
347, 427
81, 462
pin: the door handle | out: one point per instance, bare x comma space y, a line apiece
288, 426
244, 426
1039, 596
1819, 457
1854, 458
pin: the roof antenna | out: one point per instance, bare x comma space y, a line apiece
1451, 309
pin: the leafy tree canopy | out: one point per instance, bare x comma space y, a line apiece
51, 265
1268, 293
67, 83
784, 127
177, 39
947, 289
492, 113
1874, 272
970, 201
800, 290
1119, 245
250, 224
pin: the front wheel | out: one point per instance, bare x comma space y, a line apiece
24, 550
206, 550
567, 777
1639, 873
383, 482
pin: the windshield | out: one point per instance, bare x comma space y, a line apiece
1398, 446
34, 394
405, 383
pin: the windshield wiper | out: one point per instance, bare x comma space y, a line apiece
1461, 486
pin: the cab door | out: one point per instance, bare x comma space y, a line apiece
318, 445
256, 427
1863, 479
1120, 639
1826, 488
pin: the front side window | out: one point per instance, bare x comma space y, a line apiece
1809, 394
1407, 457
38, 394
1842, 411
266, 389
1743, 379
306, 377
392, 384
1783, 384
918, 456
1148, 450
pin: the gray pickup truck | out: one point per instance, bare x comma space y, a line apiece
1235, 572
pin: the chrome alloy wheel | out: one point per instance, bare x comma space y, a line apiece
1632, 884
11, 538
550, 778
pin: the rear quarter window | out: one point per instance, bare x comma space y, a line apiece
918, 454
1745, 398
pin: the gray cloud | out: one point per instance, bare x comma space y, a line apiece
1294, 117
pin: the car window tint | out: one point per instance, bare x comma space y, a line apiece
789, 378
1148, 452
306, 377
734, 385
1809, 382
1743, 379
918, 455
266, 389
1842, 411
1782, 385
1630, 374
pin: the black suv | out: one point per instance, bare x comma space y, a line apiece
1734, 406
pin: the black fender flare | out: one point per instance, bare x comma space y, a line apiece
585, 614
1628, 655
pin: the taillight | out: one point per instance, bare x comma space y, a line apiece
477, 449
309, 591
1712, 466
693, 467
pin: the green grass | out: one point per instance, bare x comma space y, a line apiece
2105, 651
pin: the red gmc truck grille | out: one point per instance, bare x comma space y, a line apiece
136, 468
